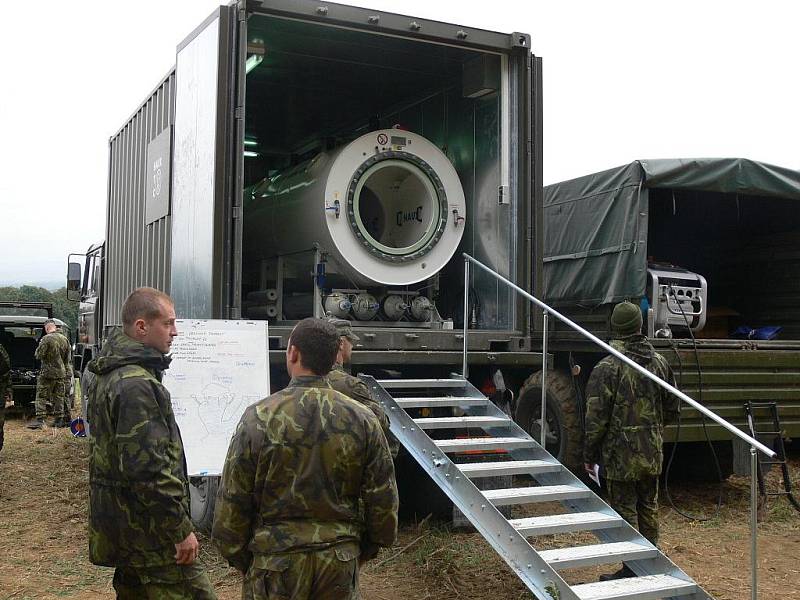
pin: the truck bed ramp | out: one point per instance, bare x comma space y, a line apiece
450, 407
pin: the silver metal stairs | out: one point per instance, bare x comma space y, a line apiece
462, 408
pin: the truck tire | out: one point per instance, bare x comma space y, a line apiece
564, 427
202, 498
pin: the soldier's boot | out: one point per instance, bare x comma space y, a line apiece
65, 421
621, 574
35, 423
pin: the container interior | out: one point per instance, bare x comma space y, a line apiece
747, 248
318, 87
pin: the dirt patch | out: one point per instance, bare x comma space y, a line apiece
43, 541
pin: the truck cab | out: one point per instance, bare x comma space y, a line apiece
84, 278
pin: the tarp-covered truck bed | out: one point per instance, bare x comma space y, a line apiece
736, 222
597, 227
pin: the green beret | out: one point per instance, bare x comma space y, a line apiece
626, 319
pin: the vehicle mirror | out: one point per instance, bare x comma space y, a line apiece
74, 273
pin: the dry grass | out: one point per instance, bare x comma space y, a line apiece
43, 544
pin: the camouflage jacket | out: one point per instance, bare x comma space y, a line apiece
5, 375
67, 358
354, 388
138, 488
52, 352
307, 468
626, 412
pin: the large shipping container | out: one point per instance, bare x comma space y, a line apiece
307, 158
259, 88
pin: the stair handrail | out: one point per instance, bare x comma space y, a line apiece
616, 353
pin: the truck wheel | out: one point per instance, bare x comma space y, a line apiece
564, 433
202, 497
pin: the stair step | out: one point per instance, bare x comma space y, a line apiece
541, 493
487, 443
582, 521
508, 467
399, 384
597, 554
457, 422
650, 587
444, 401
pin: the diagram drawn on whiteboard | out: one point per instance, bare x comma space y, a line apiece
219, 408
218, 369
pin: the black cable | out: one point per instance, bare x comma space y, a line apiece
702, 416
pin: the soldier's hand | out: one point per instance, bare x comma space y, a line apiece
589, 468
186, 551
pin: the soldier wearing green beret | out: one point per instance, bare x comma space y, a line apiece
625, 417
308, 490
353, 387
138, 485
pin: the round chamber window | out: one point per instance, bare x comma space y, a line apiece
397, 206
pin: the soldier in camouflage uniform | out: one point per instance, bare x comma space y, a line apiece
5, 383
625, 417
138, 486
308, 490
69, 401
52, 351
353, 387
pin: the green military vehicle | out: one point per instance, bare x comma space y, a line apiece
710, 248
20, 334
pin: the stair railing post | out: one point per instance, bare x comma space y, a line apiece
543, 428
466, 317
753, 522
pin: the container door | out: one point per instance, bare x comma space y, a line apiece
204, 202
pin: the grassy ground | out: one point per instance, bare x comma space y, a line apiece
43, 544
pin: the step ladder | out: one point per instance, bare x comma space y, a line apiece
772, 437
463, 408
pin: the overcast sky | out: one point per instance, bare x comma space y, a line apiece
622, 80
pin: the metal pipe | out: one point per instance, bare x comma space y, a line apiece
693, 403
753, 522
543, 427
464, 372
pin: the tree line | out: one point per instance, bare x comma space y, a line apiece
63, 309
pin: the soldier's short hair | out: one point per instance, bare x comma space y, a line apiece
318, 343
143, 303
49, 322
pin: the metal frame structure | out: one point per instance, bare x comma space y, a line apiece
755, 445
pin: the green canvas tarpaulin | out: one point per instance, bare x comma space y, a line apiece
595, 246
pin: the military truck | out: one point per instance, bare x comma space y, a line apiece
710, 249
20, 334
308, 158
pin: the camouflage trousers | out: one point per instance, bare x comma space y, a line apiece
171, 582
2, 414
637, 502
49, 392
329, 574
69, 399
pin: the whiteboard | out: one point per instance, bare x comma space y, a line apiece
218, 369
